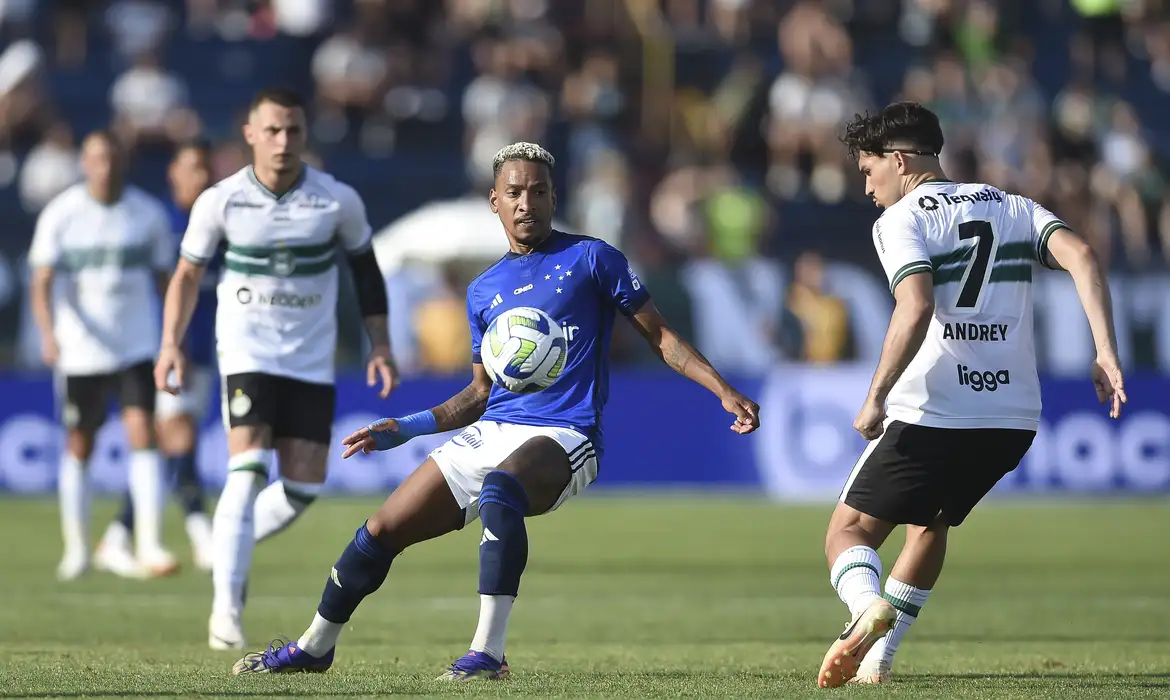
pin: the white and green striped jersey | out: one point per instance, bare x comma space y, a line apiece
277, 296
106, 259
977, 366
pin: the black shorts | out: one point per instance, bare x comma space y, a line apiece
290, 407
88, 396
913, 472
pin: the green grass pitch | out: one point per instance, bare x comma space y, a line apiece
623, 597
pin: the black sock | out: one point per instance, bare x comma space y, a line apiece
359, 571
503, 550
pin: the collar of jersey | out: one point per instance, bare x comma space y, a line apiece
544, 247
937, 181
299, 181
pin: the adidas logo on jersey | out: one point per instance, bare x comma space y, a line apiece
983, 381
496, 301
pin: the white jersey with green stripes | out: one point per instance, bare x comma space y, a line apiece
977, 366
278, 292
106, 258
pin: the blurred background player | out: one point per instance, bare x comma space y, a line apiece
282, 221
99, 257
178, 416
955, 400
522, 455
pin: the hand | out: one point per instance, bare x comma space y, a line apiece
746, 411
870, 421
382, 366
363, 440
170, 359
1109, 384
50, 352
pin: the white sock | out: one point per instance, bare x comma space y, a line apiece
320, 637
908, 601
232, 530
148, 494
73, 496
857, 577
493, 625
280, 504
116, 536
199, 530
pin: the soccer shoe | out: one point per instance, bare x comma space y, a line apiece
224, 632
73, 565
878, 677
475, 664
282, 658
844, 657
158, 564
117, 560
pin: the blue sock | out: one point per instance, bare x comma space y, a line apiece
359, 571
503, 551
187, 487
126, 515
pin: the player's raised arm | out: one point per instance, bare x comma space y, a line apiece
355, 235
459, 411
200, 242
683, 358
1060, 247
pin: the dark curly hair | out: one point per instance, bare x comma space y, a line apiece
909, 125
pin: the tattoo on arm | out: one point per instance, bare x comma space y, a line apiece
462, 409
378, 329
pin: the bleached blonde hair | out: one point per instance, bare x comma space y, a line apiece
522, 150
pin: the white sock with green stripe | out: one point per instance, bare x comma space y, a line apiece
908, 601
857, 576
281, 503
232, 529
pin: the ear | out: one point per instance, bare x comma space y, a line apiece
899, 162
249, 134
494, 201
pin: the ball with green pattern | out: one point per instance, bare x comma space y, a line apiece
524, 350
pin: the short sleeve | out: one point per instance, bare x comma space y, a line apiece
353, 229
617, 280
900, 248
204, 229
46, 250
476, 322
1044, 224
162, 239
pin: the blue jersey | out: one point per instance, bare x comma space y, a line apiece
581, 282
201, 333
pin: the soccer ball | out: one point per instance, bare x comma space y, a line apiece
523, 350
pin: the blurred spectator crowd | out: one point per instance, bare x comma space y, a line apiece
699, 136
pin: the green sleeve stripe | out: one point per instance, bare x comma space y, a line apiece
1042, 242
907, 270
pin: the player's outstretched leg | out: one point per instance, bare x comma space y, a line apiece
147, 489
178, 437
421, 508
855, 573
528, 482
302, 476
907, 589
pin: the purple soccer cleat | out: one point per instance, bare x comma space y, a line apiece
473, 665
282, 658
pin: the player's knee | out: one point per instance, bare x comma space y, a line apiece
302, 461
139, 429
504, 488
79, 443
176, 435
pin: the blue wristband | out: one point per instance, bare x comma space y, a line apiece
421, 423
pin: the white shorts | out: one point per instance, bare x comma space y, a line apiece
192, 401
466, 459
